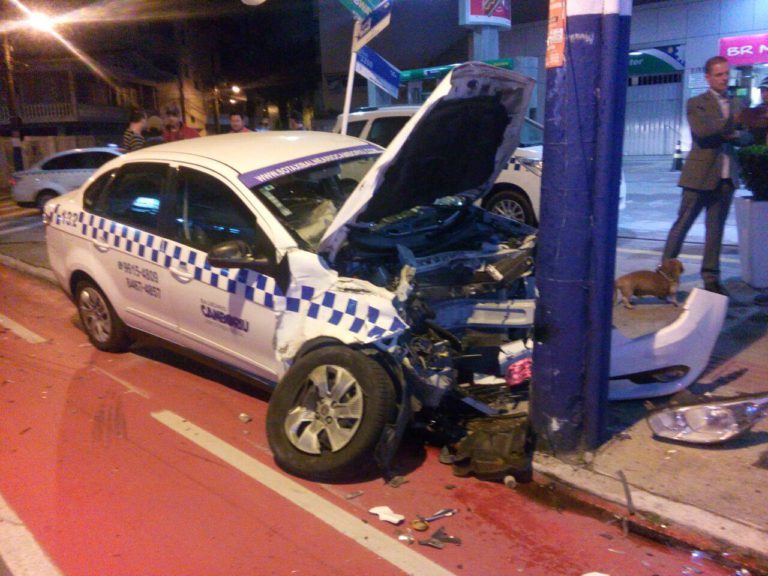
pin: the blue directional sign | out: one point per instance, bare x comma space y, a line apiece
376, 69
374, 23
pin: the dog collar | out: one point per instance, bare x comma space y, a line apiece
664, 275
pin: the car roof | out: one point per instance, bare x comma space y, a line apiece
237, 150
110, 149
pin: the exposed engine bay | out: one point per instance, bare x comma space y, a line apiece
464, 277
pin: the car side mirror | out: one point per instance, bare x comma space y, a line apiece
237, 254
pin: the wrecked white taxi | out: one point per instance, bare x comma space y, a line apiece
358, 300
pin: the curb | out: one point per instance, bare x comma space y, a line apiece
736, 543
36, 271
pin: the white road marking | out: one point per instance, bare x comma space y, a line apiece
130, 387
20, 552
20, 331
686, 256
383, 546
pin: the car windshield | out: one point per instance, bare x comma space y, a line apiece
307, 201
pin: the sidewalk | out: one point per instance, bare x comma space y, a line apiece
714, 499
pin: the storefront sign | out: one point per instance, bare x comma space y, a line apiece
660, 60
555, 54
486, 13
745, 50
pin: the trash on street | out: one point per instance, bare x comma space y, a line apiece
386, 514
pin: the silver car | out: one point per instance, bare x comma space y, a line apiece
58, 174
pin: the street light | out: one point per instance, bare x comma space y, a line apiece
42, 22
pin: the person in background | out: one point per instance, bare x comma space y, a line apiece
237, 123
175, 128
154, 132
755, 119
295, 120
710, 173
263, 125
132, 137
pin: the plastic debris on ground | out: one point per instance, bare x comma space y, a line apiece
245, 418
441, 535
386, 514
353, 495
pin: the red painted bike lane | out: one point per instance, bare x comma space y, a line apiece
140, 463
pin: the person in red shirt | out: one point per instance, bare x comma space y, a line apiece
237, 123
175, 128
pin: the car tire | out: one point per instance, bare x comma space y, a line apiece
105, 329
43, 197
328, 412
512, 204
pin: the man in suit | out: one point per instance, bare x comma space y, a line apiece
710, 173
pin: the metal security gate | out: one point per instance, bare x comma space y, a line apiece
653, 116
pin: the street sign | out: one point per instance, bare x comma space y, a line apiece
374, 23
360, 8
376, 69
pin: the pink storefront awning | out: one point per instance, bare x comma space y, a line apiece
745, 50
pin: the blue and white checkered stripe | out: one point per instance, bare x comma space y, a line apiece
335, 308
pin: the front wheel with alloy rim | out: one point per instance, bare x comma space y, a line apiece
102, 324
512, 204
328, 412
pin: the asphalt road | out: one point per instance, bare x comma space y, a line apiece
150, 463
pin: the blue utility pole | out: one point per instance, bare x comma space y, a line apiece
583, 133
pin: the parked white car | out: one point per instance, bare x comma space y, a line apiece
516, 192
58, 174
358, 302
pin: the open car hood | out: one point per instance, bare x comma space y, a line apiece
455, 145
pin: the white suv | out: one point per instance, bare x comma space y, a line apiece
516, 192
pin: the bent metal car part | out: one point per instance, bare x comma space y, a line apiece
360, 302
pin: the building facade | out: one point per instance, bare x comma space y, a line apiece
670, 41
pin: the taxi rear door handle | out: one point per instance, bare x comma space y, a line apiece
181, 273
101, 245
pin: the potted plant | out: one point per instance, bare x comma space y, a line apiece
752, 216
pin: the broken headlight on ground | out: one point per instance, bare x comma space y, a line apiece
709, 422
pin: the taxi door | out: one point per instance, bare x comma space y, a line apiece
226, 313
123, 226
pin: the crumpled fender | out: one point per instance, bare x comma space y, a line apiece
688, 341
318, 303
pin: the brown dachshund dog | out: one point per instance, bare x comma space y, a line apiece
663, 283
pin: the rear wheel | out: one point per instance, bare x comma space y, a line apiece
328, 412
102, 324
512, 204
43, 197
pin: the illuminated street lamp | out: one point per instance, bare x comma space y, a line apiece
38, 21
41, 22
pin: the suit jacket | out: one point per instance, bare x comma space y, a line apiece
703, 167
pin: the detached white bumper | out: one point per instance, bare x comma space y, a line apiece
671, 359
